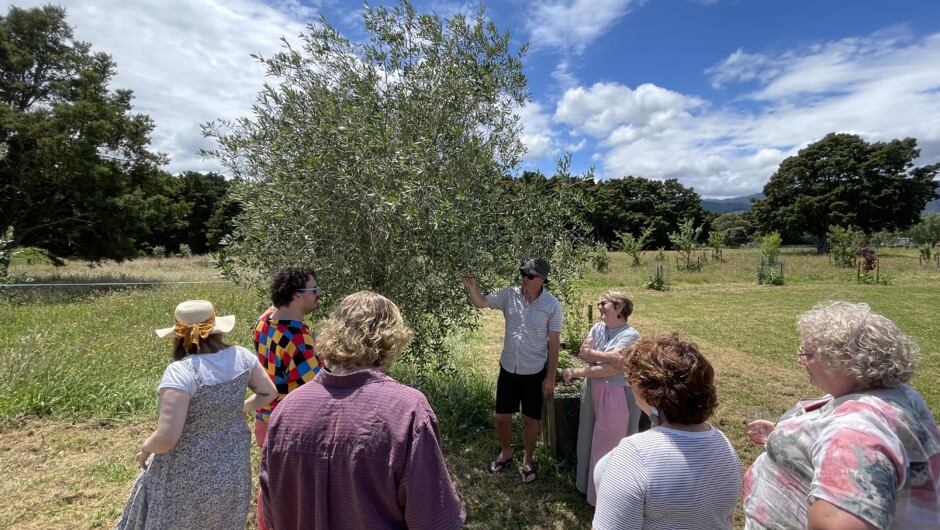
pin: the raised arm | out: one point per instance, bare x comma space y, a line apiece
479, 301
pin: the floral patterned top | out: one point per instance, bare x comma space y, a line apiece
875, 455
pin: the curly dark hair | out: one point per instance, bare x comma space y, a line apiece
673, 376
286, 282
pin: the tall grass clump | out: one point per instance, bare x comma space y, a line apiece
98, 357
462, 397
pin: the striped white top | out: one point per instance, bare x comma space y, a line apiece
668, 479
525, 345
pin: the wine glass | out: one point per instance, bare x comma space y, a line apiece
759, 423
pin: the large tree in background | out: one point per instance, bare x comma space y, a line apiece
384, 165
634, 204
845, 181
76, 172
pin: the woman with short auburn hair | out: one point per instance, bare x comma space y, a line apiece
867, 454
682, 473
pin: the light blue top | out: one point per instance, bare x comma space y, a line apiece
610, 339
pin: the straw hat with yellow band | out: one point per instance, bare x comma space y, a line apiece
196, 320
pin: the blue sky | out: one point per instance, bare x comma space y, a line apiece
714, 93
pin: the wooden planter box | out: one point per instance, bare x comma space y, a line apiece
560, 414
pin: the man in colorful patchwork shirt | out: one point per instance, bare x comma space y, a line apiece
284, 343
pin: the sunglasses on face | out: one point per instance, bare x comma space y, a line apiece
529, 276
314, 290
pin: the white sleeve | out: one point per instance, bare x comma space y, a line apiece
177, 376
621, 493
250, 359
497, 300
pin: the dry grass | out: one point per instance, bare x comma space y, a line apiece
61, 474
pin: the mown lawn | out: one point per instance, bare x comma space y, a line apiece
78, 367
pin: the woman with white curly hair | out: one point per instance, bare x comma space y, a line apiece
864, 456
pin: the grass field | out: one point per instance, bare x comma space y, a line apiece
79, 364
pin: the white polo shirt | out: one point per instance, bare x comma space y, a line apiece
525, 345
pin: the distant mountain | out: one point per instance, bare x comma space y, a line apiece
743, 204
732, 205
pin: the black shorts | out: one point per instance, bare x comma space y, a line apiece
513, 389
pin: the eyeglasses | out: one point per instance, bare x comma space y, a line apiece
603, 303
529, 276
804, 356
314, 290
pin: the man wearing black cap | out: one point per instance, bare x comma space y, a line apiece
529, 358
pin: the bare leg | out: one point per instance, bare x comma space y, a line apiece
530, 437
504, 430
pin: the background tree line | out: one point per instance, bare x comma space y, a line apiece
78, 179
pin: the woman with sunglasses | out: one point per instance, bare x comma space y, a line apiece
608, 410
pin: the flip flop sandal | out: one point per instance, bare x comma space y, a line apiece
498, 465
528, 476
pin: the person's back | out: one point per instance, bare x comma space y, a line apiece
669, 479
359, 462
683, 473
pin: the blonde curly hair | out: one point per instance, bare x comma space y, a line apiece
365, 329
865, 344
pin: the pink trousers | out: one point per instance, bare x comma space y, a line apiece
611, 418
261, 434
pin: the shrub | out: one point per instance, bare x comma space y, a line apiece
684, 243
578, 317
658, 278
714, 241
842, 242
633, 246
770, 247
600, 258
185, 251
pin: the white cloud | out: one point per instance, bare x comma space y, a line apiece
187, 62
740, 66
606, 108
537, 133
881, 87
573, 24
563, 74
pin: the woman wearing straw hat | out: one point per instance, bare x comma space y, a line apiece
196, 469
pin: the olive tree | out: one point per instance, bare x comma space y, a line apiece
385, 164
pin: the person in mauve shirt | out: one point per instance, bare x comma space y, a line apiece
358, 449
